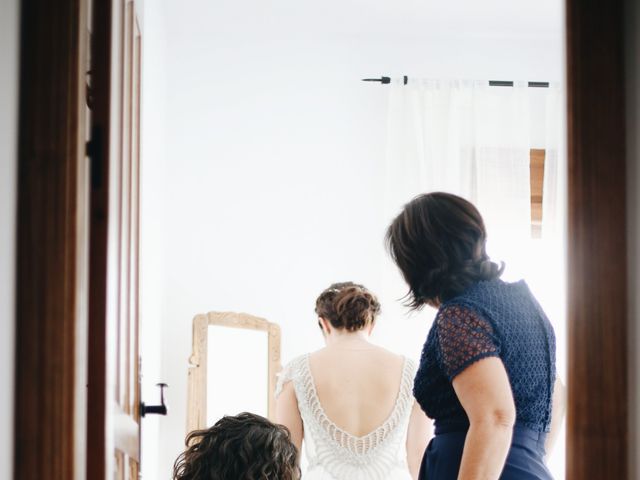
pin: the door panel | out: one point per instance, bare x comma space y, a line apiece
115, 364
126, 425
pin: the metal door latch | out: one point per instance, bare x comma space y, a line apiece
155, 409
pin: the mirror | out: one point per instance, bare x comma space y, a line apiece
228, 347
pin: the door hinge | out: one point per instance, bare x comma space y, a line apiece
94, 152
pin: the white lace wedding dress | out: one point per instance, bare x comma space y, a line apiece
334, 454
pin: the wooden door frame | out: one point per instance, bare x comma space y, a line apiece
49, 233
98, 404
52, 239
598, 363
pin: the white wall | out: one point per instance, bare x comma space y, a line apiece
633, 219
9, 12
152, 254
269, 169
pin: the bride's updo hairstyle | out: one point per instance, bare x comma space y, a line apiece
438, 242
348, 306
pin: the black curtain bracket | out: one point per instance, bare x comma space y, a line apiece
492, 83
382, 80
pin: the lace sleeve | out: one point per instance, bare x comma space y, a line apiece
285, 375
463, 337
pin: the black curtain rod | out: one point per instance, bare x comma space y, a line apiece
492, 83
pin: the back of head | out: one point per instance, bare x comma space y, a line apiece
438, 242
243, 447
348, 306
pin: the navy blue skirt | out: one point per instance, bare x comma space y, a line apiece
442, 458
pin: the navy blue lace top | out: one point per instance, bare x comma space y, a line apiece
490, 319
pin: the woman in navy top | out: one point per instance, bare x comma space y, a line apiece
487, 372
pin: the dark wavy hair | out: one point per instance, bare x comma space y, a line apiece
438, 242
243, 447
347, 305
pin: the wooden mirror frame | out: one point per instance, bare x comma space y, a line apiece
197, 381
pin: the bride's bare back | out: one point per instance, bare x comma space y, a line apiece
352, 396
357, 384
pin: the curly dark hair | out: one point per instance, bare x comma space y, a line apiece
347, 305
243, 447
438, 242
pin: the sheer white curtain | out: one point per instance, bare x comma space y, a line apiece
467, 138
474, 140
547, 273
429, 140
502, 171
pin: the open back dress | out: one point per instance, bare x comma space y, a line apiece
332, 453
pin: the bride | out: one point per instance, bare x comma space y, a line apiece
351, 402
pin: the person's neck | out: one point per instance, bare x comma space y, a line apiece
348, 340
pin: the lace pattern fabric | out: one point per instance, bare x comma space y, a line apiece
492, 318
464, 337
333, 453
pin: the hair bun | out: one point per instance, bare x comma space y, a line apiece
348, 305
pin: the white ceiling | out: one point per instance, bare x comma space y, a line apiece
370, 18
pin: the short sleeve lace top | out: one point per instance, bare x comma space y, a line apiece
490, 319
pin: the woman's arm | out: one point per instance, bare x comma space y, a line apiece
484, 391
418, 435
287, 414
558, 408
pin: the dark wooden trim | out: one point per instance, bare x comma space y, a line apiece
101, 46
597, 417
51, 140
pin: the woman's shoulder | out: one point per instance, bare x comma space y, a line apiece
399, 357
291, 372
492, 294
294, 365
483, 296
376, 357
406, 364
477, 290
389, 353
